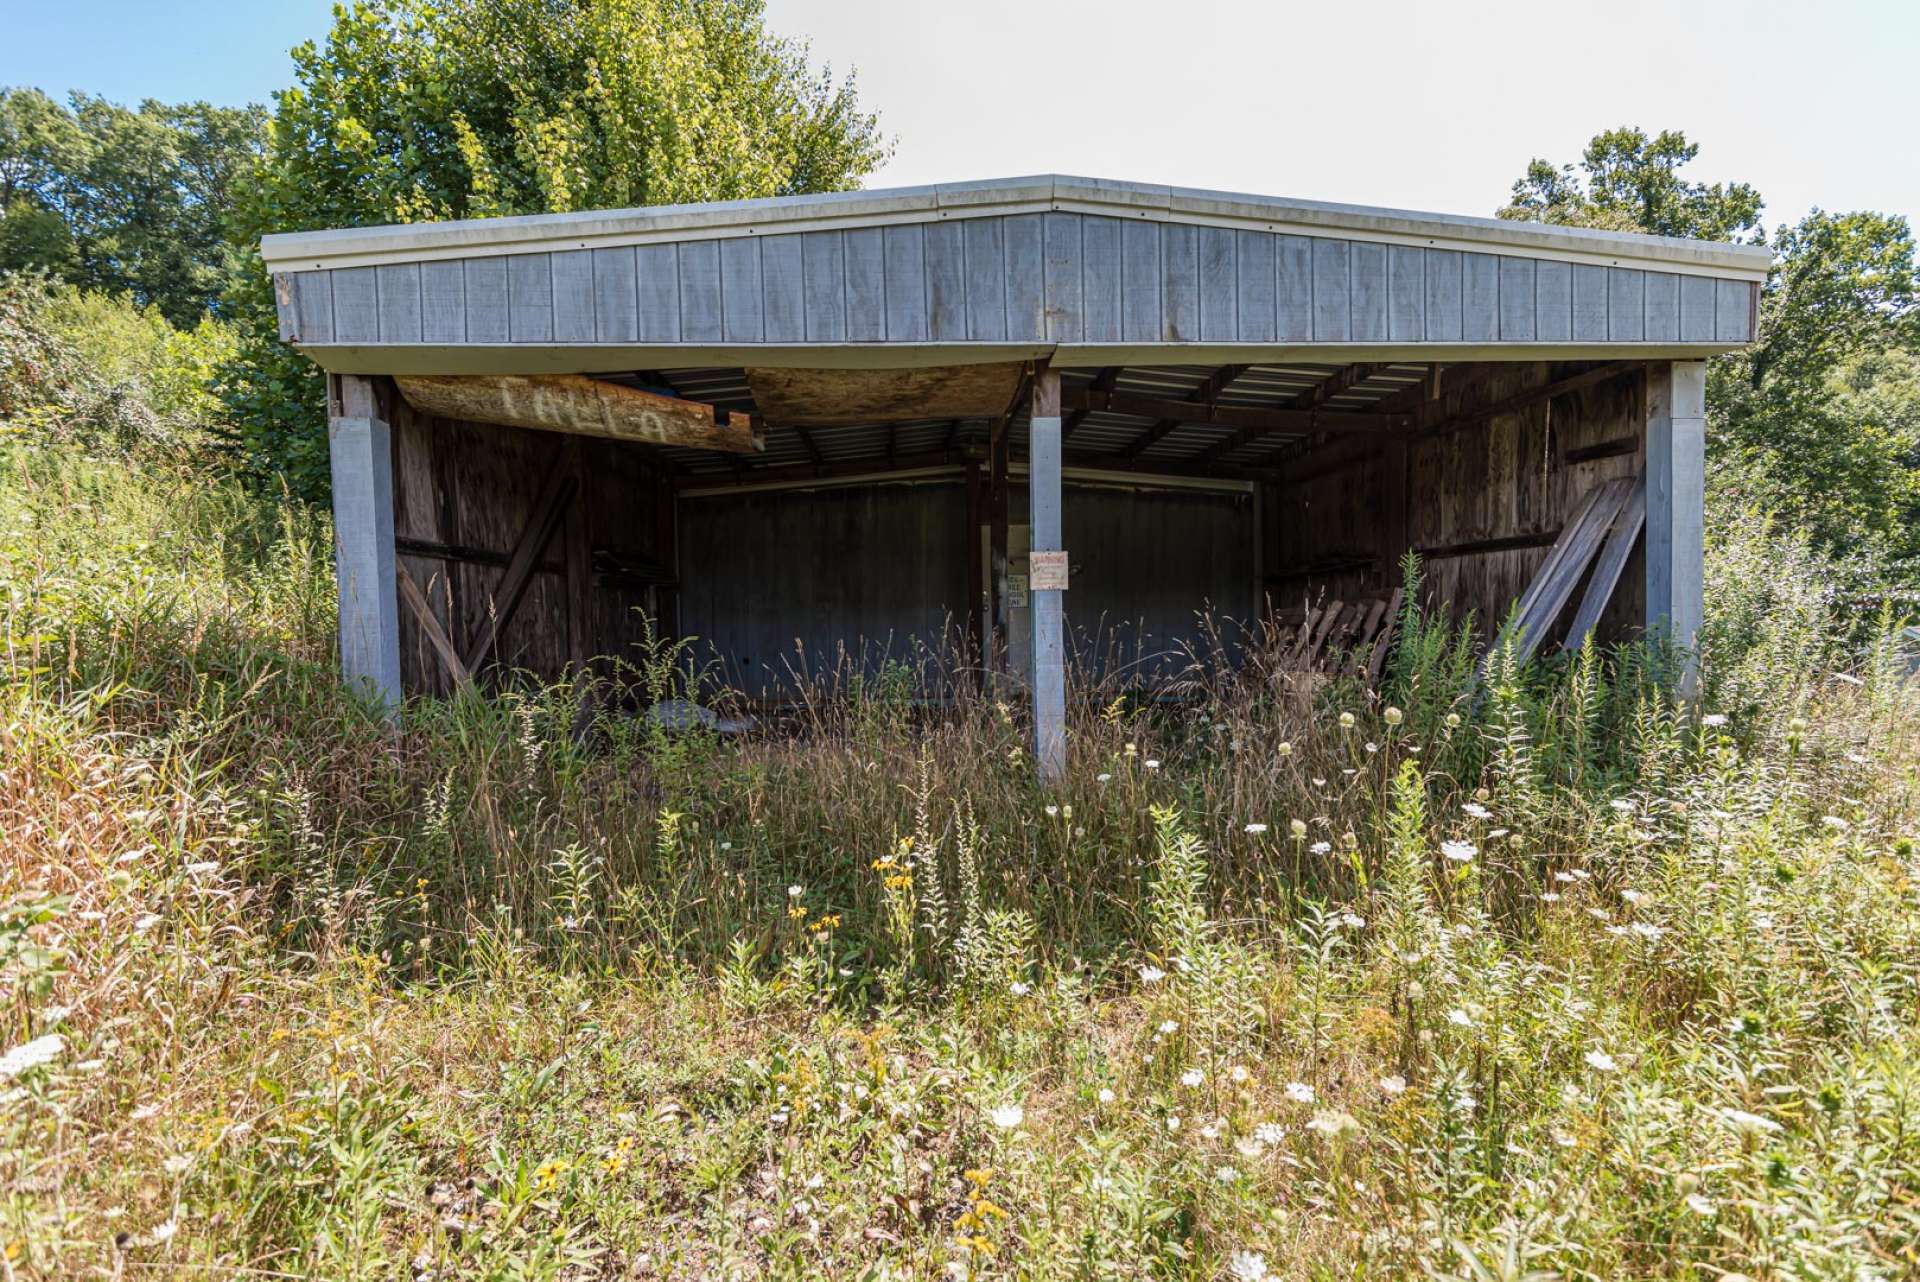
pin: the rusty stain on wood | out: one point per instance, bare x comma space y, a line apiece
833, 397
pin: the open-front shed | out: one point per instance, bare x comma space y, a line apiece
1064, 416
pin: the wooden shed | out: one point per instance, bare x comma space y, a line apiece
1064, 415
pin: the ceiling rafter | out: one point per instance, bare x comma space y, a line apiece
1335, 384
1207, 394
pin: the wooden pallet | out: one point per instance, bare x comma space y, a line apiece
1339, 637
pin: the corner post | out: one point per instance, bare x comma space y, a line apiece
360, 446
1676, 443
1049, 605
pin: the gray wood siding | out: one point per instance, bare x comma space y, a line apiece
1056, 277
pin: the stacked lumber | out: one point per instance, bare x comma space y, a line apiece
1337, 638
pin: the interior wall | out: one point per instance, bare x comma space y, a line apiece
780, 584
463, 495
1511, 481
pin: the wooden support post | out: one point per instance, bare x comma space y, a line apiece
997, 488
973, 596
1048, 603
360, 446
1676, 433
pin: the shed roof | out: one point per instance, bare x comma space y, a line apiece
1090, 272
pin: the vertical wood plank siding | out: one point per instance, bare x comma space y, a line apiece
1055, 277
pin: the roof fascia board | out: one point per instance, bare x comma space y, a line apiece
365, 246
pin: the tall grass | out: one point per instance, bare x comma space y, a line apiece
1539, 973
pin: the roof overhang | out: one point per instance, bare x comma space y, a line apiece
1083, 271
605, 229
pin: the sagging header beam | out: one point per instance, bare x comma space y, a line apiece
581, 406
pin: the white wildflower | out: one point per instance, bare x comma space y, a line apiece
1106, 1095
1255, 830
1352, 921
1714, 719
1270, 1133
1053, 812
37, 1053
1239, 1073
1319, 848
1460, 1018
1393, 716
1285, 749
1474, 810
1600, 1061
1332, 1122
1192, 1077
1395, 1085
1459, 851
1346, 721
794, 892
1300, 1092
1298, 828
1008, 1116
1226, 1175
1173, 1122
1247, 1266
1168, 1027
1019, 988
1152, 763
1621, 805
1102, 777
1646, 930
1151, 974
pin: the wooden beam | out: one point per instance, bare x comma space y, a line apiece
1205, 395
578, 405
973, 562
548, 508
416, 602
809, 444
1102, 382
1279, 420
997, 496
1319, 394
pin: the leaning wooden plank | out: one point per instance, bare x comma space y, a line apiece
416, 601
579, 405
1364, 635
1569, 534
1558, 589
1308, 628
1613, 562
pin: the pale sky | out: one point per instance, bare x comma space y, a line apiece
1401, 103
1421, 105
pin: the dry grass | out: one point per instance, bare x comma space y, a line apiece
484, 1001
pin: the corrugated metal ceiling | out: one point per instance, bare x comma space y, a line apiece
1091, 435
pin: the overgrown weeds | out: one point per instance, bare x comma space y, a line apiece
1538, 974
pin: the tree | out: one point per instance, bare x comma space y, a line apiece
1819, 420
1629, 182
125, 201
475, 108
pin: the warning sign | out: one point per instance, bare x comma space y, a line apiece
1047, 571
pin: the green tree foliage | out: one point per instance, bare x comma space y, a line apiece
101, 373
120, 200
476, 108
1630, 182
1819, 421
